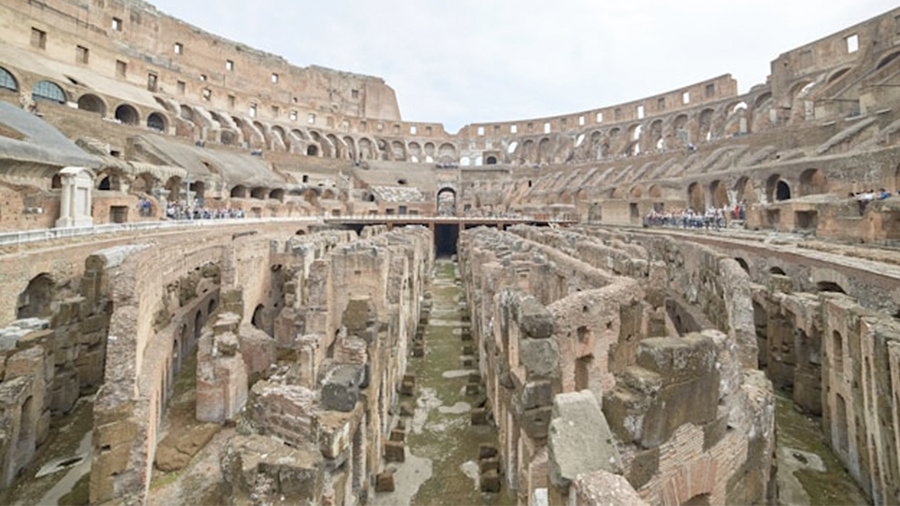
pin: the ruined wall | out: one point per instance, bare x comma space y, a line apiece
615, 339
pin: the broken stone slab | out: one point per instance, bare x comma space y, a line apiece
540, 357
260, 465
579, 439
602, 487
340, 390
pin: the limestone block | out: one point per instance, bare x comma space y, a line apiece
602, 488
340, 390
487, 451
294, 475
540, 357
579, 439
490, 481
534, 319
258, 349
394, 451
536, 394
384, 481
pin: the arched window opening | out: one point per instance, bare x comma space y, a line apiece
92, 103
491, 160
258, 193
829, 286
127, 114
48, 91
35, 301
258, 317
312, 150
743, 264
782, 191
156, 121
7, 81
239, 192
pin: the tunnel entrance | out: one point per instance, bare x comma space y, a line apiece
445, 239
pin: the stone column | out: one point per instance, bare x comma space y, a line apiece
75, 205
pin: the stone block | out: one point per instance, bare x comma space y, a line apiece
340, 390
534, 319
479, 416
227, 344
384, 481
407, 409
540, 357
536, 422
394, 451
536, 394
491, 464
487, 451
644, 466
602, 487
490, 481
579, 439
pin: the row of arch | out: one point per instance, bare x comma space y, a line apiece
49, 91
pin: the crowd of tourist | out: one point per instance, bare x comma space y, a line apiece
863, 198
712, 218
178, 211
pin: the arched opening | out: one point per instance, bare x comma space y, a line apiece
696, 197
446, 201
837, 75
35, 301
198, 324
7, 81
491, 160
778, 271
110, 181
239, 192
258, 317
127, 114
92, 103
312, 150
212, 306
277, 194
773, 187
887, 60
143, 183
719, 194
813, 182
743, 264
198, 189
698, 500
259, 193
48, 91
637, 192
655, 192
186, 113
173, 184
56, 182
829, 286
782, 191
157, 121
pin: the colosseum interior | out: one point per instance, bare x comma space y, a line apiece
231, 280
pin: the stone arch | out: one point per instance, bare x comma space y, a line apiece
813, 182
696, 197
339, 151
839, 73
398, 151
144, 182
744, 190
366, 149
312, 150
350, 147
490, 160
239, 192
158, 122
35, 301
186, 113
718, 193
777, 189
637, 192
680, 129
446, 201
279, 132
173, 184
447, 153
616, 193
655, 191
109, 180
277, 194
127, 114
48, 91
259, 193
544, 155
705, 125
655, 135
8, 81
92, 103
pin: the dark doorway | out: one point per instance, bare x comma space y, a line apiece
445, 239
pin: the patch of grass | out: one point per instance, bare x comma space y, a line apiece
80, 493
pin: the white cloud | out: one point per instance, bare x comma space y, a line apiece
475, 60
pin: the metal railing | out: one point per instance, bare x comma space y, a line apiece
50, 234
380, 218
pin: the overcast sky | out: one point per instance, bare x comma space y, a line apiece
470, 61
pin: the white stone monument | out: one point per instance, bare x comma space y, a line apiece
75, 207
